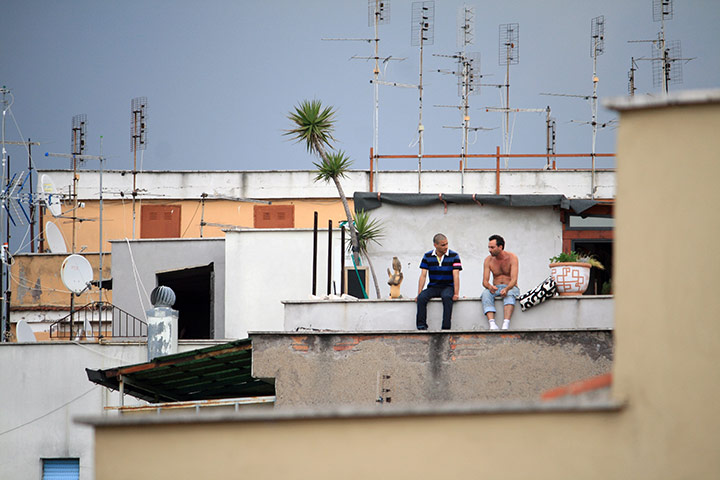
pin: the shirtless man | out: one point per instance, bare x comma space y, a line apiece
504, 268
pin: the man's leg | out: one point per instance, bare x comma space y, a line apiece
509, 306
447, 300
488, 302
422, 300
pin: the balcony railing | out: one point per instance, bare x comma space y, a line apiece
98, 320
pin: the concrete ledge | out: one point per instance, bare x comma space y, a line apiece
581, 312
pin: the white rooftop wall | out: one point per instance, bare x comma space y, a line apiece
301, 184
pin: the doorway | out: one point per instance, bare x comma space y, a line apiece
194, 292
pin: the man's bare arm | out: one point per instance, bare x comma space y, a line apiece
514, 266
421, 281
486, 276
456, 283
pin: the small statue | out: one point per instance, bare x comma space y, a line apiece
395, 279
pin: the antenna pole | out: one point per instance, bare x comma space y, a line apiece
138, 141
423, 18
32, 203
100, 267
376, 88
3, 207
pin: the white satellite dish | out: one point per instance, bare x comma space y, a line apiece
24, 333
76, 273
54, 237
49, 194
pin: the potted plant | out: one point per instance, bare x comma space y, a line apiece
571, 271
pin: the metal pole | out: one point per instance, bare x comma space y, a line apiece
100, 280
315, 247
329, 266
3, 315
32, 203
5, 256
342, 260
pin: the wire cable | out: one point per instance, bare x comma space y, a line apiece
50, 412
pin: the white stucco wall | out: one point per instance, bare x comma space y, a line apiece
284, 184
266, 267
43, 387
534, 234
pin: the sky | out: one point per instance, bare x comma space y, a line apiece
221, 76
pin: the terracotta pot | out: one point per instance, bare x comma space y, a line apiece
571, 277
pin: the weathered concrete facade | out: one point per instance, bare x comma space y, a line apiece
313, 369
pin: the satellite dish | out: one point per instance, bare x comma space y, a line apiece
54, 237
24, 333
76, 273
49, 194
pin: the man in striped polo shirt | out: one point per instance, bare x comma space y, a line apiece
444, 267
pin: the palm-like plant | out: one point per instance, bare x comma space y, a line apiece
314, 125
368, 231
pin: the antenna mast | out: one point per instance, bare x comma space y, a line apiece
138, 141
508, 54
77, 148
665, 55
468, 78
422, 32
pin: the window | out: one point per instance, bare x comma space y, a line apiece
592, 233
274, 216
160, 221
61, 468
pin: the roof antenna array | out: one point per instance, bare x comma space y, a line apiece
422, 28
666, 56
468, 79
597, 48
378, 14
138, 141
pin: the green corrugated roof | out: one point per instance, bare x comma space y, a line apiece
220, 371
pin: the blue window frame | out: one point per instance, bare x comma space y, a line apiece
61, 469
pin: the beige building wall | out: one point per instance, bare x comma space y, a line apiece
118, 218
665, 372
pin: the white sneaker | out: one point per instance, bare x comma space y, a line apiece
506, 324
493, 325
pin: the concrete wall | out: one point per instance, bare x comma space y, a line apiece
312, 369
265, 267
152, 256
43, 386
293, 184
580, 312
257, 284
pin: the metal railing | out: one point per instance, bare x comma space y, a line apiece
98, 320
550, 163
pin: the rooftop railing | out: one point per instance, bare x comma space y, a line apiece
98, 320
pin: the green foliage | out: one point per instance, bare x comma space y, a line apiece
607, 288
314, 125
368, 230
333, 166
574, 257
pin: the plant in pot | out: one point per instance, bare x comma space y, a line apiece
571, 271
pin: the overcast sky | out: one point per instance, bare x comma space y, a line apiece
220, 76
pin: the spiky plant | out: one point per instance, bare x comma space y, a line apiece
314, 125
369, 230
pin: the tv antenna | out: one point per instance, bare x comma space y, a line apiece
422, 33
508, 54
631, 77
378, 14
597, 48
138, 141
666, 56
468, 80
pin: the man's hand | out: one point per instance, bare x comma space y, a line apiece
493, 289
455, 297
503, 292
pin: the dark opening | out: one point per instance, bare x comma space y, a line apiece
600, 280
194, 291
